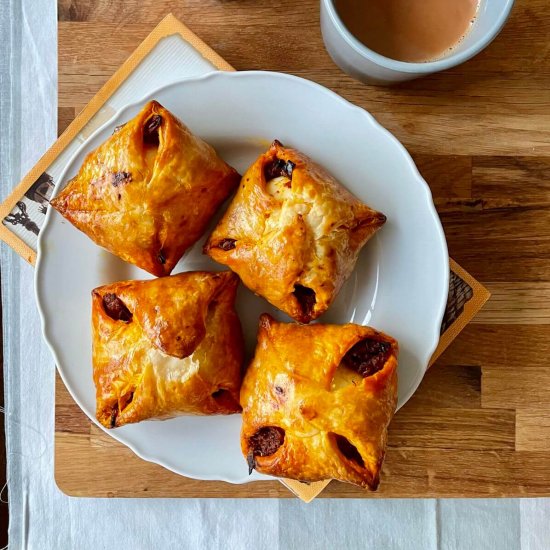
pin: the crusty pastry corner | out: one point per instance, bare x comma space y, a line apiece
317, 401
149, 191
293, 233
166, 347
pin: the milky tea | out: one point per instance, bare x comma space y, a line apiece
409, 30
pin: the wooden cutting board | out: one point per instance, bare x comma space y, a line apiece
480, 423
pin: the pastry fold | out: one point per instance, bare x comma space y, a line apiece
149, 191
293, 233
317, 401
166, 347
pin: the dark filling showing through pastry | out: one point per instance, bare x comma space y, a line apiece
224, 399
277, 168
377, 219
119, 406
114, 414
306, 298
349, 450
264, 442
119, 178
367, 357
150, 131
226, 244
125, 400
161, 257
115, 308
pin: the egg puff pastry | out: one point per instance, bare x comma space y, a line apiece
317, 401
293, 233
166, 347
148, 193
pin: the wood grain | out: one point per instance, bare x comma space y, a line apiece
533, 430
479, 425
518, 303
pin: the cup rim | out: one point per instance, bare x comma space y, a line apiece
427, 66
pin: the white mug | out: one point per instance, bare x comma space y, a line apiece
354, 58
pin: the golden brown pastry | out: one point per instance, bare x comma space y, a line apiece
317, 401
148, 193
166, 347
293, 233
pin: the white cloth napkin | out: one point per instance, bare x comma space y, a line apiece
43, 518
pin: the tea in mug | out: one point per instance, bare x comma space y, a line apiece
409, 30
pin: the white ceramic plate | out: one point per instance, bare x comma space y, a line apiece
400, 283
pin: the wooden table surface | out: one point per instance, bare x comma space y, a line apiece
480, 423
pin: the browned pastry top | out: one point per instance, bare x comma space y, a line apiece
165, 347
317, 401
293, 233
148, 192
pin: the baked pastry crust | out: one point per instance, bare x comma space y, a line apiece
148, 193
166, 347
293, 233
317, 401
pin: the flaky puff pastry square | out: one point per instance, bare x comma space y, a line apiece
293, 233
148, 193
166, 347
317, 401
